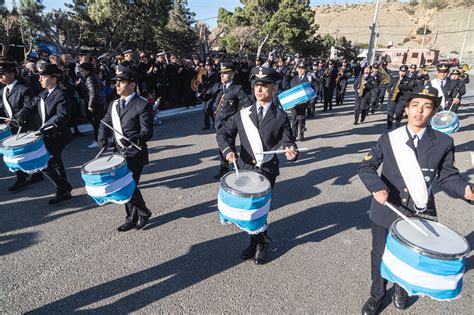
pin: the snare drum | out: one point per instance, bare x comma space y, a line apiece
445, 121
245, 200
297, 95
427, 266
108, 179
5, 131
27, 153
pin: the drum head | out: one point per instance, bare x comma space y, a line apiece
23, 139
103, 163
247, 184
444, 119
442, 242
4, 127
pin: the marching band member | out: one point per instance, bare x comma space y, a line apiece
445, 87
363, 86
398, 91
405, 181
227, 98
54, 110
273, 126
133, 116
458, 91
464, 75
384, 83
13, 96
341, 83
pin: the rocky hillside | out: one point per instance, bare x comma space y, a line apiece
398, 23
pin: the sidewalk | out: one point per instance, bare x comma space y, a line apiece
85, 128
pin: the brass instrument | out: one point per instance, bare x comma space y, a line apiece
386, 78
340, 74
363, 82
424, 69
396, 90
198, 79
466, 67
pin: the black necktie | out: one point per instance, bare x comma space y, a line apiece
259, 115
9, 90
442, 84
122, 104
416, 141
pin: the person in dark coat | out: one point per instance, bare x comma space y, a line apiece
398, 91
210, 79
227, 98
341, 83
13, 97
274, 129
329, 84
95, 101
136, 124
363, 86
298, 113
434, 152
54, 108
458, 91
445, 87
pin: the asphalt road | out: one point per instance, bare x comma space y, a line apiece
70, 258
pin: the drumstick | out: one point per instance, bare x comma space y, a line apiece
133, 144
18, 133
38, 133
235, 167
100, 153
283, 151
409, 221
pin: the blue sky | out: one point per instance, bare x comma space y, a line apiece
206, 9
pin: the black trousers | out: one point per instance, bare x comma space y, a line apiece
136, 207
381, 94
361, 106
222, 161
56, 171
208, 114
328, 93
94, 119
396, 110
379, 238
298, 123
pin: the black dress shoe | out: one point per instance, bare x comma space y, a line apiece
18, 185
372, 307
261, 253
355, 123
142, 221
127, 226
35, 178
60, 197
249, 252
400, 297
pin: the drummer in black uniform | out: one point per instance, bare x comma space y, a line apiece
13, 96
54, 109
434, 152
227, 98
274, 128
136, 123
458, 91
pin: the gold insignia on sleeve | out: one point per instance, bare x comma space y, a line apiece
368, 157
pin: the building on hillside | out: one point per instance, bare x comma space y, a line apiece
399, 56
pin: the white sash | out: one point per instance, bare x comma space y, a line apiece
116, 123
254, 137
409, 167
7, 105
435, 84
43, 111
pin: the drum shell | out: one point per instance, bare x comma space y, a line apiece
297, 95
421, 271
98, 183
5, 131
230, 190
449, 128
246, 210
28, 157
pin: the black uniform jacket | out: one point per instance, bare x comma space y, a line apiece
137, 125
435, 153
234, 99
369, 85
274, 129
448, 89
404, 88
19, 96
57, 109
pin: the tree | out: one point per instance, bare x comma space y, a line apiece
9, 27
179, 35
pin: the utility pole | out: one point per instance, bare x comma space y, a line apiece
422, 44
372, 32
376, 43
465, 36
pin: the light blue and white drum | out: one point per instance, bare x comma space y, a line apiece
26, 153
445, 121
108, 179
426, 266
245, 200
296, 95
5, 131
